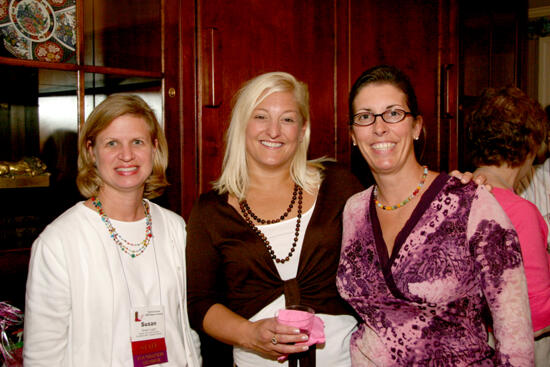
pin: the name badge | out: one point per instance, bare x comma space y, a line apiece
147, 335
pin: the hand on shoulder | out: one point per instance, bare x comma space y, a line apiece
466, 177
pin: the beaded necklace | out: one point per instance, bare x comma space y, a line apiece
407, 200
132, 249
276, 220
248, 215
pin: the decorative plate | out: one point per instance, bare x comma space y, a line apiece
43, 30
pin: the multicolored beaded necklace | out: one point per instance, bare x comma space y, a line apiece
132, 249
248, 215
404, 202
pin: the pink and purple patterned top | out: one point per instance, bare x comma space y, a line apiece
457, 257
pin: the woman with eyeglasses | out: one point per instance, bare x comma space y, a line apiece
424, 256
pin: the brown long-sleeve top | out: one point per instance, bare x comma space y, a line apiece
227, 262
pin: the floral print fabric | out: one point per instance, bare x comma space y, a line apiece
425, 304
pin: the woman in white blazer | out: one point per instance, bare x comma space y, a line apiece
106, 284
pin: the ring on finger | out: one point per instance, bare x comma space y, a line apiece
274, 340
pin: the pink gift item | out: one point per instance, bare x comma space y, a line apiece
11, 341
306, 321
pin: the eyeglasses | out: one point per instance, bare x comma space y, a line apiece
389, 116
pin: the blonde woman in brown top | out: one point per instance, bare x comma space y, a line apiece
269, 234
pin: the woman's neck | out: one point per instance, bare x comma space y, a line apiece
394, 187
269, 181
127, 207
504, 177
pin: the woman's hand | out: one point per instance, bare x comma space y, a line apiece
266, 336
273, 339
466, 177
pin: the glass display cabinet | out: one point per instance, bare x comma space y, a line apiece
58, 60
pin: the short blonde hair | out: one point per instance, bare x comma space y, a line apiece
88, 180
234, 177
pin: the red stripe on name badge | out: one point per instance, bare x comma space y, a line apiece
148, 352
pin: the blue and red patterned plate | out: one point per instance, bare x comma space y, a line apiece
43, 30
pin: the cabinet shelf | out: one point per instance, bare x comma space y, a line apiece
24, 181
86, 68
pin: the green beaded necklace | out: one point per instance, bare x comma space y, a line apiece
404, 202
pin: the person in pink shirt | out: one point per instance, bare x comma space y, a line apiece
506, 129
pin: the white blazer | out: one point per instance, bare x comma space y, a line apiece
70, 280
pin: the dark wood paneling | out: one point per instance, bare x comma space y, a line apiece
328, 44
172, 94
123, 34
295, 36
342, 80
179, 99
404, 34
188, 113
493, 46
448, 85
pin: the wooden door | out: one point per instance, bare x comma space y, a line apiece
327, 44
493, 47
418, 37
241, 39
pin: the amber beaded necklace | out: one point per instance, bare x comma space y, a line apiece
249, 215
132, 249
407, 200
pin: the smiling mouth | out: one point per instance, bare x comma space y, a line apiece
126, 169
383, 146
271, 144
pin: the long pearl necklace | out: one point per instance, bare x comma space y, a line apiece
132, 249
248, 215
407, 200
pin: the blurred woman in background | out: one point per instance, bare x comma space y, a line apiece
506, 130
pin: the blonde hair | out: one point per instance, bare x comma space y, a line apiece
234, 177
88, 180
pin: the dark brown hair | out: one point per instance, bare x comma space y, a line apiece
384, 74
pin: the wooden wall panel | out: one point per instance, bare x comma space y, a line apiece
404, 34
254, 37
327, 44
179, 92
493, 47
342, 80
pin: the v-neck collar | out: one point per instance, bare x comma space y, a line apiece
386, 261
318, 203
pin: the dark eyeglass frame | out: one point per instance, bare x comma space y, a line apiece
375, 115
